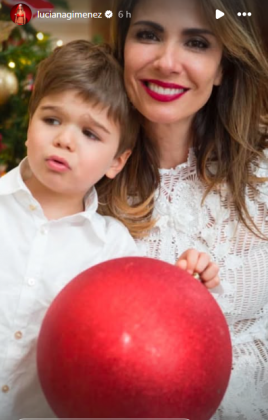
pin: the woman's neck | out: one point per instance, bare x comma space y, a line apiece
172, 141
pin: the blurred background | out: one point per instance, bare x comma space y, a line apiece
23, 47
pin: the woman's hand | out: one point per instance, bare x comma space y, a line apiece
199, 262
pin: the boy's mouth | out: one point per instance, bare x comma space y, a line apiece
57, 163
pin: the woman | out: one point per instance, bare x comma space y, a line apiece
20, 17
201, 86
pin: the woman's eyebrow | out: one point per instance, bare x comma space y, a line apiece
186, 31
197, 31
153, 25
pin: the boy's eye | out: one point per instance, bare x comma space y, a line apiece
198, 44
51, 121
146, 35
90, 135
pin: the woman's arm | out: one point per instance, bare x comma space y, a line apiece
16, 18
24, 18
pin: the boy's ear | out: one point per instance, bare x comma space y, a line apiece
118, 164
26, 143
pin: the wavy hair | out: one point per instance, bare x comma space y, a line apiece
231, 128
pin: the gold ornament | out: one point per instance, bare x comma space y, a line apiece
8, 84
6, 28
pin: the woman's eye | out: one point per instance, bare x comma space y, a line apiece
51, 121
147, 36
197, 44
90, 135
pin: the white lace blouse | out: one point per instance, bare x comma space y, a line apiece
243, 259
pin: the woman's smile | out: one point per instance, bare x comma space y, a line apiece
162, 91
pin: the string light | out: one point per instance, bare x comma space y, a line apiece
59, 43
11, 64
40, 36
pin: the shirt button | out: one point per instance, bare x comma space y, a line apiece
32, 207
18, 335
44, 231
5, 388
31, 282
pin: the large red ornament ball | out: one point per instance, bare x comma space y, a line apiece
134, 337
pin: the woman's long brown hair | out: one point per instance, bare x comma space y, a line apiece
230, 129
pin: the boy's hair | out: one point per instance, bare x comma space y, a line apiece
95, 74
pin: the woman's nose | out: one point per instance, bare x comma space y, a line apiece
168, 59
65, 139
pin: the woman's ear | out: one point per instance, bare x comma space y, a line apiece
118, 164
218, 77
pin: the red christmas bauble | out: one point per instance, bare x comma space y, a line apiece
134, 337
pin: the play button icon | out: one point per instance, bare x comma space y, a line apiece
219, 14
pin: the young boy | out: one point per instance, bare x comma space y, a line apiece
81, 129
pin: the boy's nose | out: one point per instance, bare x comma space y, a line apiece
65, 139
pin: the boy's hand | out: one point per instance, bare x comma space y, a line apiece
199, 262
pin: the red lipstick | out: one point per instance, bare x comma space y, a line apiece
162, 96
165, 84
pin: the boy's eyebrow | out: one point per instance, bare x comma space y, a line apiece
97, 124
186, 31
50, 108
93, 121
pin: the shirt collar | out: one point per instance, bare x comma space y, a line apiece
12, 182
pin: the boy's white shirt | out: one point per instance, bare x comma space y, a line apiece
38, 257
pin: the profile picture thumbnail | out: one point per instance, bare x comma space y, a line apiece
21, 14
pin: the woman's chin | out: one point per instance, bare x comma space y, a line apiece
162, 117
161, 113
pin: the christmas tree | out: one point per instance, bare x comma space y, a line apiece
21, 49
